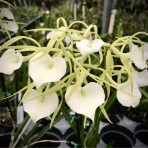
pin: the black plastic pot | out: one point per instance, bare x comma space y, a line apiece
5, 140
53, 138
132, 114
117, 136
5, 128
141, 133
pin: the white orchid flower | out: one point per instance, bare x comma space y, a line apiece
10, 61
136, 55
86, 46
141, 78
39, 106
6, 13
43, 69
85, 100
8, 25
128, 96
74, 36
11, 26
55, 34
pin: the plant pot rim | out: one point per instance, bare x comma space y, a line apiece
119, 130
141, 133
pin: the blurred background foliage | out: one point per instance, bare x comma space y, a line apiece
131, 17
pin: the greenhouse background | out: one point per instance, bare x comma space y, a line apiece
114, 19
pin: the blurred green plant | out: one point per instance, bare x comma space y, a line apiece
24, 14
131, 17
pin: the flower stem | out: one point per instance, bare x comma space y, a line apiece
94, 139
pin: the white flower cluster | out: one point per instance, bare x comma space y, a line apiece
79, 65
7, 21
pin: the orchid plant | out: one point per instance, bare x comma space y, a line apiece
79, 71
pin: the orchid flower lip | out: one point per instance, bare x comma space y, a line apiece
43, 69
10, 61
88, 97
86, 47
39, 106
136, 55
141, 77
128, 96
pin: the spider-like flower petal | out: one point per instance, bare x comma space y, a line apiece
43, 68
141, 78
39, 106
86, 99
10, 61
128, 95
55, 34
136, 56
86, 47
74, 36
6, 13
